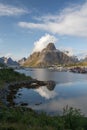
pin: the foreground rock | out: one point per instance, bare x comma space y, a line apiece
32, 84
7, 94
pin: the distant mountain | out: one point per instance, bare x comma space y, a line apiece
21, 61
8, 61
11, 62
2, 60
47, 57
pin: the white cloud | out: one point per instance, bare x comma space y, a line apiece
68, 50
44, 92
32, 25
43, 42
71, 21
82, 54
8, 10
8, 55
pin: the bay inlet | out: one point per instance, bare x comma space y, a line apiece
70, 89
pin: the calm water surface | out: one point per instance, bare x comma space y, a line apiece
71, 90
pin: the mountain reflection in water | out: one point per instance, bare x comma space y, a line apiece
46, 93
71, 89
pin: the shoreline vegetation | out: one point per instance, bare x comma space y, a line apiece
21, 118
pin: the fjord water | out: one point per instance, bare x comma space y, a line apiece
70, 89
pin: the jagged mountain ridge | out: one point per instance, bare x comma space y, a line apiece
47, 57
8, 61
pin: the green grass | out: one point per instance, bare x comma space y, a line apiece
26, 119
2, 84
9, 75
79, 64
2, 65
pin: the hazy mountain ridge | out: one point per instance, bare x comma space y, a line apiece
8, 61
47, 57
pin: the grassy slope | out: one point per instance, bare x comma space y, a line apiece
80, 64
9, 75
33, 63
25, 119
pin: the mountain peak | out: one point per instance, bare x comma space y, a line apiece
51, 46
47, 57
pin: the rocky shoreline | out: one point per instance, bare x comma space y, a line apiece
3, 95
81, 70
32, 83
7, 93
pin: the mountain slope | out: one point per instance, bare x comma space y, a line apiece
47, 57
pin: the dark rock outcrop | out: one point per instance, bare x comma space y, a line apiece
51, 46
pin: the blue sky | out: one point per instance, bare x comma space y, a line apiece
28, 25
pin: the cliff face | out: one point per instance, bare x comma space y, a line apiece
47, 57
